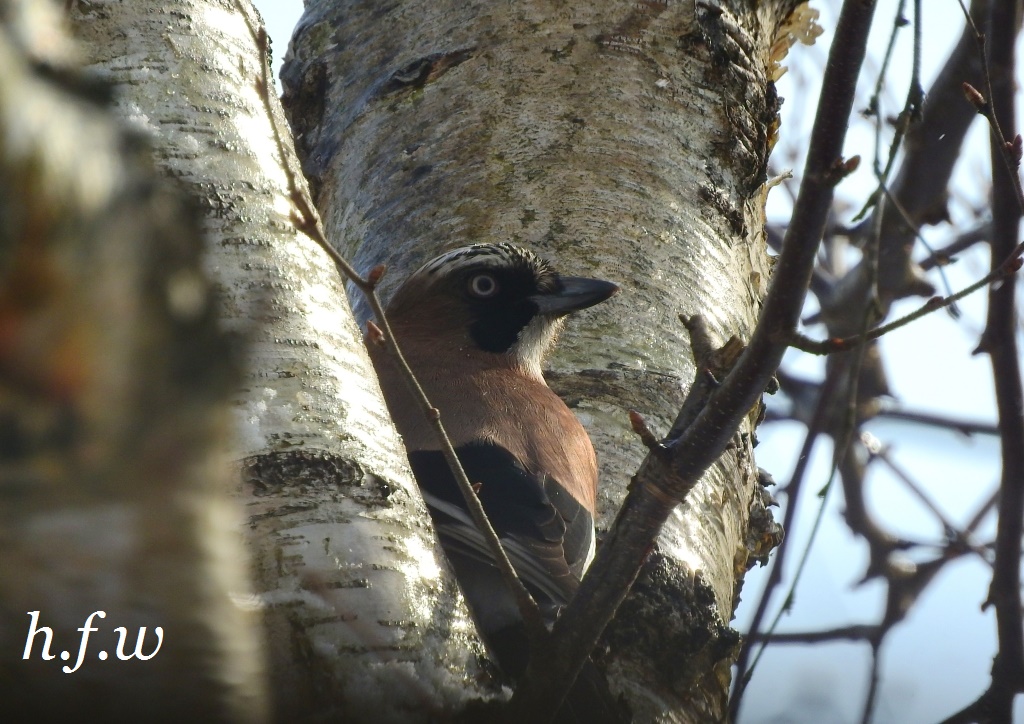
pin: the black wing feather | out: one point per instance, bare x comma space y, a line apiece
547, 534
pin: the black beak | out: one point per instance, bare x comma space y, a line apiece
573, 294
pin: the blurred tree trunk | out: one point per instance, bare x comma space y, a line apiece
626, 140
114, 387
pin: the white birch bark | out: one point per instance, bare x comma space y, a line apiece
363, 622
624, 140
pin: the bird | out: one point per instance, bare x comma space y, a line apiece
475, 325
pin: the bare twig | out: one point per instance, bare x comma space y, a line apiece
998, 340
872, 693
793, 489
855, 632
881, 544
983, 511
1008, 152
947, 254
844, 344
639, 426
962, 538
875, 103
931, 148
892, 199
911, 108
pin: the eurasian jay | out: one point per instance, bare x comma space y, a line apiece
474, 325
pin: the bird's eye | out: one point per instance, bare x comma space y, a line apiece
483, 286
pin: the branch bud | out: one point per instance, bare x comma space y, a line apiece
975, 98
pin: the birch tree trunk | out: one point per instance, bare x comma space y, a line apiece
628, 141
363, 621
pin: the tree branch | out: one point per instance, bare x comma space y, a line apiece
999, 341
815, 427
932, 148
1000, 273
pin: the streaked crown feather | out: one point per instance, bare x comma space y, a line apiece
498, 255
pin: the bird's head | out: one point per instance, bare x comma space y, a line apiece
493, 298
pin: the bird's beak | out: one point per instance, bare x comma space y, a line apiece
575, 293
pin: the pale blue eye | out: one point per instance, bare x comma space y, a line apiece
483, 286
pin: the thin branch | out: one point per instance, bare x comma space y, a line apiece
1007, 269
911, 112
875, 103
999, 341
983, 511
964, 427
1003, 149
1006, 151
843, 439
859, 518
307, 220
854, 632
891, 198
961, 537
873, 678
947, 254
850, 373
931, 149
793, 490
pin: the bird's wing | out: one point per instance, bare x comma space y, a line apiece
547, 534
